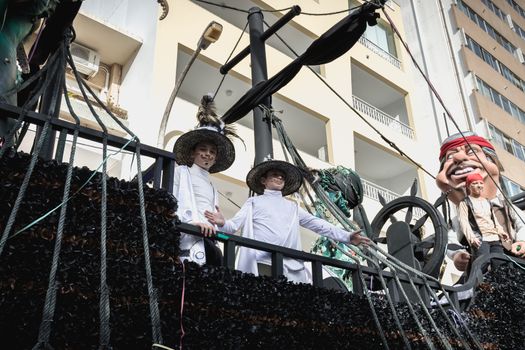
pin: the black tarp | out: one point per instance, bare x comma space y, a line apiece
332, 44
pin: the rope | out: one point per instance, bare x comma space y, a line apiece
28, 226
443, 340
387, 293
230, 56
371, 304
39, 90
383, 137
424, 277
278, 10
153, 304
447, 112
27, 177
104, 307
50, 301
403, 293
183, 293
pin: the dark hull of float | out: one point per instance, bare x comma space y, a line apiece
223, 309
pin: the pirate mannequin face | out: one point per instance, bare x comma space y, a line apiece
273, 180
204, 155
460, 161
475, 189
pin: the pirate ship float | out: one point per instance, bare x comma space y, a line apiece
90, 261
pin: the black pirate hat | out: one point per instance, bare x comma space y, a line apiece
293, 176
210, 129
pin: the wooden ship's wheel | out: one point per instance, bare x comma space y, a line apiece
405, 239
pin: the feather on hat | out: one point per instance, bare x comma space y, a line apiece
209, 129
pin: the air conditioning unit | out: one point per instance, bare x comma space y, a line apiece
463, 37
86, 60
509, 21
519, 55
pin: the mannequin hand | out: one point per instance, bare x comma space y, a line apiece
461, 260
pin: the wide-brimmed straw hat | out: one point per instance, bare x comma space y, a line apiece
293, 176
211, 130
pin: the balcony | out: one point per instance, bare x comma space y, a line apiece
382, 117
380, 52
372, 191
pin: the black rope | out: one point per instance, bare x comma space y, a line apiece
104, 305
50, 301
388, 141
230, 56
224, 6
152, 293
385, 288
449, 115
423, 276
39, 143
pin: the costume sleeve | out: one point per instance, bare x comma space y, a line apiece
236, 223
454, 235
322, 227
519, 225
464, 224
176, 181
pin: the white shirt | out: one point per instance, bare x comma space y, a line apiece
276, 220
195, 194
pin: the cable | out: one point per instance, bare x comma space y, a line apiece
228, 59
279, 10
447, 112
231, 201
223, 6
388, 141
331, 13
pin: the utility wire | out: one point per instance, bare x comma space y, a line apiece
228, 59
449, 115
278, 10
388, 141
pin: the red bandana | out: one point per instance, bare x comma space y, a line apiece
476, 140
473, 177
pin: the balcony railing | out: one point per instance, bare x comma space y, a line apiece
372, 191
380, 52
382, 117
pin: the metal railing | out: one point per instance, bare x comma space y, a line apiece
278, 253
382, 117
380, 52
163, 178
372, 191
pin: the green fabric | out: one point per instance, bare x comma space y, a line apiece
343, 187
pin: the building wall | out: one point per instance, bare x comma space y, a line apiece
387, 83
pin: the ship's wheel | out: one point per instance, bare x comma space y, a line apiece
429, 247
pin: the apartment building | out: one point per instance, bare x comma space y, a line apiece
480, 42
140, 60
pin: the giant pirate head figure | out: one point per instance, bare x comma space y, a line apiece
459, 159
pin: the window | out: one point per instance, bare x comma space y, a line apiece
500, 100
517, 7
486, 27
510, 145
511, 187
518, 150
495, 64
382, 37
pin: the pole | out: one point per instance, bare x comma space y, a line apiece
261, 125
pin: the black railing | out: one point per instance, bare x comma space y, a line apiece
164, 166
162, 177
